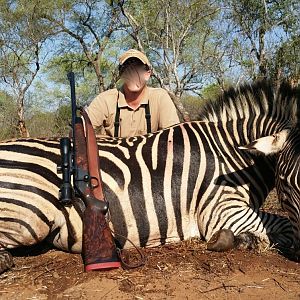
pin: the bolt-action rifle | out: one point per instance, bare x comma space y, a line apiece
80, 158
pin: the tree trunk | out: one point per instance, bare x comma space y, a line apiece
262, 54
21, 122
99, 75
22, 129
180, 107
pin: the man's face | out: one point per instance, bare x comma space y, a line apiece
135, 75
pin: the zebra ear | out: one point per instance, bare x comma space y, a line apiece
268, 145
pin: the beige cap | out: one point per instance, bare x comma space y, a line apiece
134, 53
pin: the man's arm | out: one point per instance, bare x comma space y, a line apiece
168, 114
97, 111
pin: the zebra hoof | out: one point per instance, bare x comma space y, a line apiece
222, 240
6, 261
248, 240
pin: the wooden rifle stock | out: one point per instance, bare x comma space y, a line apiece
98, 247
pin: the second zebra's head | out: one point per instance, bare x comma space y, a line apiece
286, 145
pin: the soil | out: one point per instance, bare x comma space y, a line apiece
179, 271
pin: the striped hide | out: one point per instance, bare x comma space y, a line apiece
189, 180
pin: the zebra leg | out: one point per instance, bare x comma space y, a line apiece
6, 261
224, 240
68, 235
258, 231
248, 240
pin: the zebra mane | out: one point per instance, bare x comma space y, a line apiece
252, 100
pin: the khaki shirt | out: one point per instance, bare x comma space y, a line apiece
102, 112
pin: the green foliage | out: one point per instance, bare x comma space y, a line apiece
59, 66
8, 116
212, 91
42, 124
50, 124
192, 104
86, 79
63, 119
87, 31
287, 60
176, 36
259, 29
195, 47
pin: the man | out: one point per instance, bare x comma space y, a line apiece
135, 108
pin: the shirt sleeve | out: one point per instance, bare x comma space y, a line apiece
167, 110
97, 111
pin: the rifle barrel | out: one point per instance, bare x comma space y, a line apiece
71, 78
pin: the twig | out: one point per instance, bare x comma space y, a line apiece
108, 292
223, 286
49, 270
278, 283
289, 273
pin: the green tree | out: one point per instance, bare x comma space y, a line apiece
8, 116
42, 124
49, 108
86, 80
286, 63
21, 39
63, 119
87, 30
257, 28
177, 37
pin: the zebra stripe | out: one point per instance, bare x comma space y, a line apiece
287, 182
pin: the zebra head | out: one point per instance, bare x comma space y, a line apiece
286, 145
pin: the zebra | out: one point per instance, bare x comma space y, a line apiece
286, 144
188, 180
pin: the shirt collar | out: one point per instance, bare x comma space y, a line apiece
122, 101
